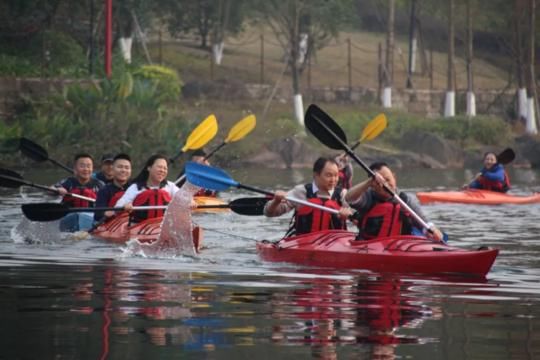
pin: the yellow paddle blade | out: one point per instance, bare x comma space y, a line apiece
374, 128
241, 129
202, 134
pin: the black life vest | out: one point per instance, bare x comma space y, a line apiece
385, 218
150, 197
308, 219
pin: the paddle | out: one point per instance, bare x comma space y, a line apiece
55, 211
237, 132
372, 129
328, 132
200, 136
38, 153
506, 156
216, 179
13, 180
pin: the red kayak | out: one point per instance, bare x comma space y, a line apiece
401, 254
118, 230
478, 197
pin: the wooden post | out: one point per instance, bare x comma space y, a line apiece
160, 46
379, 70
108, 38
431, 67
309, 73
262, 59
349, 64
211, 67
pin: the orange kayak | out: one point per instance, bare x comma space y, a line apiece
209, 200
478, 197
118, 230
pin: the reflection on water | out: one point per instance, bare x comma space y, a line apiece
108, 312
64, 297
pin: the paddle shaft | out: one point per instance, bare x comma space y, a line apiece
61, 165
43, 187
291, 199
371, 173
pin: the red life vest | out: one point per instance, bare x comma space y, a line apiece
344, 179
493, 185
385, 219
150, 197
308, 219
87, 191
114, 199
205, 192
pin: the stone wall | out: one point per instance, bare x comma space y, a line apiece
424, 102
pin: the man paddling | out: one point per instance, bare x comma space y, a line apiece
109, 195
378, 213
322, 191
81, 183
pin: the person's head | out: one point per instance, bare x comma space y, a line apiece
342, 160
155, 170
198, 156
83, 166
490, 159
325, 173
383, 169
106, 165
121, 168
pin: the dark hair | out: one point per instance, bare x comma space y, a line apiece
378, 165
122, 156
319, 164
490, 152
142, 178
198, 152
82, 155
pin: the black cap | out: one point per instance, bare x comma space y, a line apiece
107, 158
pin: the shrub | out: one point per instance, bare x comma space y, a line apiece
165, 80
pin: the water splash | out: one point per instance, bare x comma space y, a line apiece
176, 235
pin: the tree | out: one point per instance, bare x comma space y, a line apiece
471, 100
388, 75
302, 27
449, 104
202, 17
532, 96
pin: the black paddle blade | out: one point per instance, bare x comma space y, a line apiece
44, 211
506, 156
9, 179
249, 206
33, 150
324, 128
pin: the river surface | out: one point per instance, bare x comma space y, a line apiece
65, 297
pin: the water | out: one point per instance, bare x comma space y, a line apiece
70, 298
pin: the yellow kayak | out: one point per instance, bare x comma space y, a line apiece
209, 200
